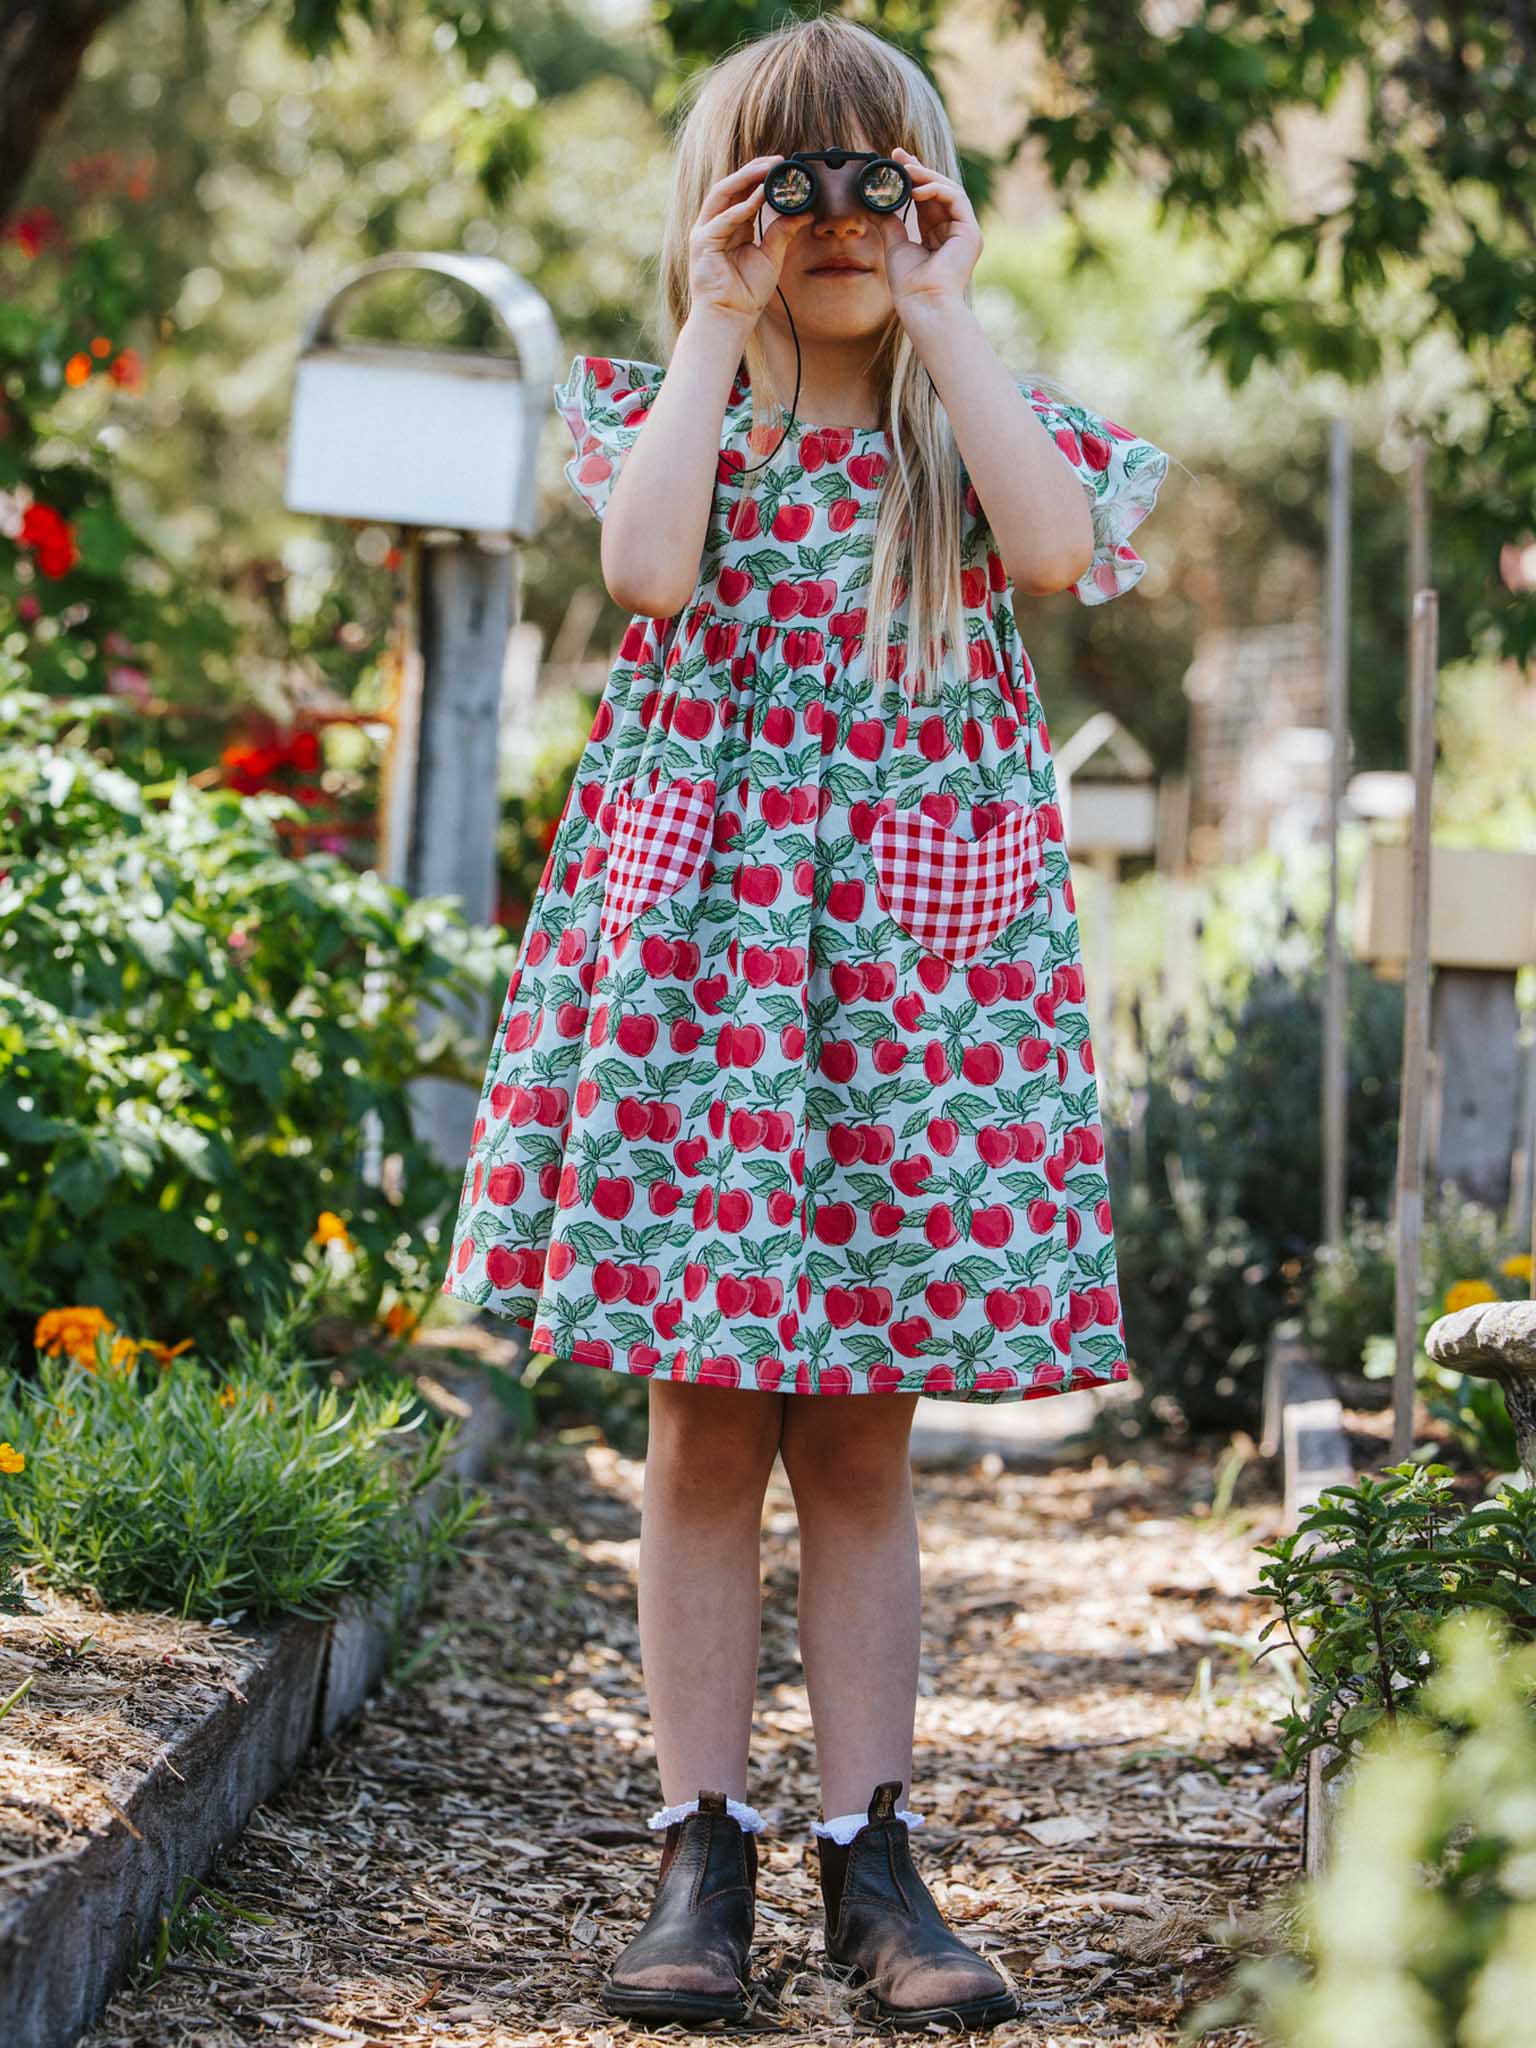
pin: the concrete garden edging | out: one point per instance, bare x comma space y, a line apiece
1304, 1421
68, 1943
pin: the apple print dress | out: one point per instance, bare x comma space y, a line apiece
792, 1088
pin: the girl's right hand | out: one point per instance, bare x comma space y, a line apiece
728, 270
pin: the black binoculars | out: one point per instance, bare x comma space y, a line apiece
879, 182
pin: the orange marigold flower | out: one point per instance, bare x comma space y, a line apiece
100, 346
330, 1228
401, 1321
12, 1460
228, 1396
162, 1354
127, 370
78, 369
71, 1330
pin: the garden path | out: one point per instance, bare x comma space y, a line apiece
1093, 1753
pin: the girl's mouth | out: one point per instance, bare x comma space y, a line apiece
838, 270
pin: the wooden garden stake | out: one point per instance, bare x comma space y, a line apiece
1338, 726
1410, 1130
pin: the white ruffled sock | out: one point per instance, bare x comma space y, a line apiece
752, 1821
844, 1826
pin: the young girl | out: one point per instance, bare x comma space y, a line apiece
791, 1107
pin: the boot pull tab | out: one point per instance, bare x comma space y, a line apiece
712, 1802
883, 1806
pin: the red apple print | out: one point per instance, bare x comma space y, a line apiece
783, 600
1029, 1140
885, 1219
690, 1154
945, 1298
1056, 1170
732, 1295
609, 1281
792, 1041
570, 1020
939, 1379
709, 993
666, 1121
845, 901
765, 1295
748, 1044
839, 1059
933, 972
792, 522
889, 1055
588, 1095
761, 884
636, 1035
717, 1115
666, 1315
1041, 1217
844, 1143
909, 1336
703, 1208
847, 980
560, 1260
776, 807
940, 1228
719, 1370
911, 1173
936, 1063
841, 514
874, 1306
981, 1065
781, 1207
746, 1129
1090, 1144
866, 470
569, 1191
866, 739
1106, 1305
695, 1279
943, 1135
663, 1197
632, 1116
994, 1146
834, 1379
842, 1307
504, 1185
685, 1034
788, 966
985, 984
933, 739
500, 1267
908, 1010
1074, 1228
778, 727
803, 875
1036, 1304
835, 1223
992, 1226
1002, 1308
1033, 1054
656, 955
1101, 1216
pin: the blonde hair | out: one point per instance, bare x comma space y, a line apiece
808, 86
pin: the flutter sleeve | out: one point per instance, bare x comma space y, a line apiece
1121, 473
604, 401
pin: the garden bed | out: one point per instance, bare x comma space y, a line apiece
143, 1742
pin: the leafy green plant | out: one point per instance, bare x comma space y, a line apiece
194, 1032
148, 1484
1367, 1579
1350, 1311
1216, 1162
1421, 1931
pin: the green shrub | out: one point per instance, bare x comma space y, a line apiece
1350, 1311
193, 1029
1421, 1933
152, 1485
1216, 1162
1367, 1579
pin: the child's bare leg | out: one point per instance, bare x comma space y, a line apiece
849, 1465
707, 1462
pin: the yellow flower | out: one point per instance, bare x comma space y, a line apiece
228, 1396
71, 1330
1465, 1293
401, 1321
331, 1229
1519, 1267
11, 1460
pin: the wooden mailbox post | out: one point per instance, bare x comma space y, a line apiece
442, 443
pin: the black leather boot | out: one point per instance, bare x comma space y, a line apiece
882, 1920
689, 1960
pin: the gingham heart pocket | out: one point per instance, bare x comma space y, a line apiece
954, 895
657, 837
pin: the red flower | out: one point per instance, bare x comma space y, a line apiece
34, 230
51, 538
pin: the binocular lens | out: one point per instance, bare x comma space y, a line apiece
884, 187
788, 187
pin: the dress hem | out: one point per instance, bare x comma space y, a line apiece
1072, 1383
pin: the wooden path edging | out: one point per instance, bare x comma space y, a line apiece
67, 1944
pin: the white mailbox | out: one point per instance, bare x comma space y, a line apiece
425, 437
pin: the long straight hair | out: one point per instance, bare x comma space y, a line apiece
813, 84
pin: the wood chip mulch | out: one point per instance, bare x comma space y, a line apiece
1094, 1745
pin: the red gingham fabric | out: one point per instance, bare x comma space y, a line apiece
955, 895
658, 837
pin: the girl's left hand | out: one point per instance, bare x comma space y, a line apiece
938, 267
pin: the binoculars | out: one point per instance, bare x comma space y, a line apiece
878, 182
